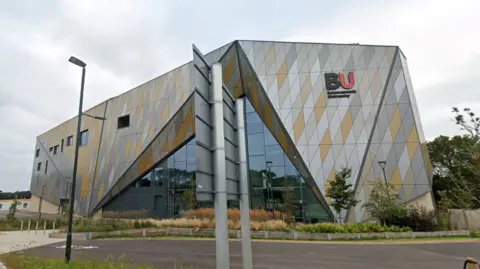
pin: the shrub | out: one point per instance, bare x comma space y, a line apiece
350, 228
419, 219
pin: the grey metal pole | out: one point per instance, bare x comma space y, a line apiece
29, 226
36, 228
68, 246
53, 228
44, 227
243, 177
221, 216
21, 227
40, 203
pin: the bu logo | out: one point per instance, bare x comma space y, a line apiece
333, 80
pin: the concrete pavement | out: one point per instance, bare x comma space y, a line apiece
13, 241
279, 255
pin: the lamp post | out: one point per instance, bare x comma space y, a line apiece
68, 246
382, 165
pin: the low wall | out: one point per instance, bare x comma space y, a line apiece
291, 235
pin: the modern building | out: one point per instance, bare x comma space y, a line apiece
309, 110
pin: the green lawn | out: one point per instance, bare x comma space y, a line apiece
16, 261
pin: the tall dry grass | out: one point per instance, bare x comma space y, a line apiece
269, 225
234, 214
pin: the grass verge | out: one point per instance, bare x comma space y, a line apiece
17, 261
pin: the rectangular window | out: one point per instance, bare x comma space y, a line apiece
61, 147
24, 205
37, 152
0, 206
55, 149
123, 122
69, 140
84, 136
46, 166
39, 166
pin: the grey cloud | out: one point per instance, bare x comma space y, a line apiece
126, 43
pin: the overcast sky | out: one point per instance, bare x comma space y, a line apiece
126, 43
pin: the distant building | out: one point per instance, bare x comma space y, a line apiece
310, 109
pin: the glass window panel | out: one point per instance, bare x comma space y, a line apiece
256, 144
277, 171
181, 154
159, 176
248, 106
146, 181
84, 138
269, 139
289, 167
257, 162
275, 155
254, 123
191, 167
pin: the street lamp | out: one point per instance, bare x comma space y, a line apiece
383, 164
68, 246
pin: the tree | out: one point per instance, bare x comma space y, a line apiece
382, 204
340, 192
13, 210
471, 125
288, 196
455, 164
190, 195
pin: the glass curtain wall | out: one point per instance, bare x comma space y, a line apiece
272, 175
166, 191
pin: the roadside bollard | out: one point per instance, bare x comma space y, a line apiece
44, 227
53, 228
36, 228
21, 227
29, 225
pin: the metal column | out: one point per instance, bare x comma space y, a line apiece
243, 178
220, 180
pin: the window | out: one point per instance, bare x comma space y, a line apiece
61, 147
39, 166
46, 166
0, 206
69, 140
51, 149
123, 122
55, 149
24, 205
84, 137
37, 153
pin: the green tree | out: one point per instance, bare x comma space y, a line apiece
288, 196
382, 204
190, 195
13, 210
340, 192
455, 163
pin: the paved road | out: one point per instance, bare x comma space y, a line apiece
201, 254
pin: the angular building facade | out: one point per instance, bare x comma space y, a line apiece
309, 110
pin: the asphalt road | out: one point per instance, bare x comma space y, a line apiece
201, 254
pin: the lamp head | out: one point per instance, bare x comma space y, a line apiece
77, 62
